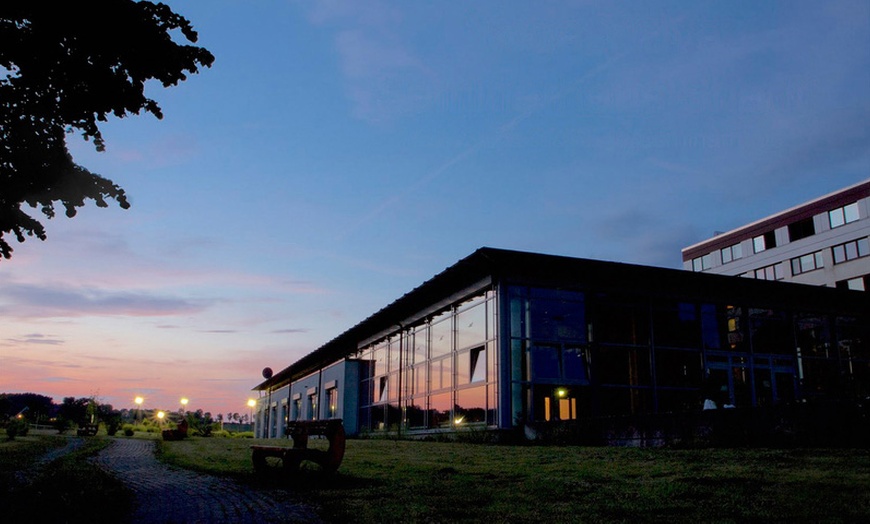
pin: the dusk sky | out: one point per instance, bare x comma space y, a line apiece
340, 153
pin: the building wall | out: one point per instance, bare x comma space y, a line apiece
312, 398
833, 253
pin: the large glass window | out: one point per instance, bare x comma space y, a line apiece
625, 401
557, 315
470, 406
393, 346
676, 325
421, 344
853, 337
421, 385
622, 365
621, 323
813, 335
440, 410
679, 368
575, 367
416, 412
770, 332
843, 215
471, 326
544, 362
441, 339
441, 373
379, 355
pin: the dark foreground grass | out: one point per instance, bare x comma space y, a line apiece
69, 489
406, 481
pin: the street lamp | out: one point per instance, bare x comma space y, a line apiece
138, 401
184, 402
160, 415
251, 404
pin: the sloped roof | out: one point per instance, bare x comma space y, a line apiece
566, 273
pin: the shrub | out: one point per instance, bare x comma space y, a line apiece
244, 434
17, 428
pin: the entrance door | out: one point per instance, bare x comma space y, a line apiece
556, 403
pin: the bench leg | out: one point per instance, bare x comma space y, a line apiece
259, 460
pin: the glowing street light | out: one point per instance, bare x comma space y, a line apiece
251, 404
160, 415
184, 402
138, 401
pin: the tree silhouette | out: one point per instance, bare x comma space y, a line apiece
65, 67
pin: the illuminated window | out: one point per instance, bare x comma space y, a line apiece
312, 406
332, 398
843, 215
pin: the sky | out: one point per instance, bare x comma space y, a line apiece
339, 153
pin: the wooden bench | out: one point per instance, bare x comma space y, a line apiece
88, 430
299, 430
179, 433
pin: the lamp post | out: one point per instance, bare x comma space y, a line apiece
138, 401
184, 402
160, 415
251, 404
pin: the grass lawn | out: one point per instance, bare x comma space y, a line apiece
409, 481
69, 489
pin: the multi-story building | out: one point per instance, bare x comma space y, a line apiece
506, 339
823, 242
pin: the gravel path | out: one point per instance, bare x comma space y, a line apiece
168, 495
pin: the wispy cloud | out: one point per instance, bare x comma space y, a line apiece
47, 301
36, 338
385, 76
290, 331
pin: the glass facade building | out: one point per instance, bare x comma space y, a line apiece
504, 338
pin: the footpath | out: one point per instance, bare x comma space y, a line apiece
170, 495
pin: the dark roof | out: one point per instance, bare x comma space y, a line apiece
562, 272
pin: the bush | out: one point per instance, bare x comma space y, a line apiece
17, 428
128, 430
244, 434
